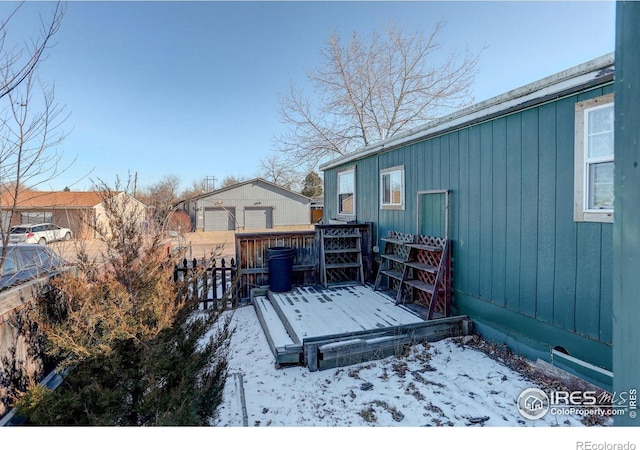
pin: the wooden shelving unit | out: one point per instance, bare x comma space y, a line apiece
417, 269
393, 256
341, 256
425, 280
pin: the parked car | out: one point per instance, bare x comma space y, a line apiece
24, 262
40, 233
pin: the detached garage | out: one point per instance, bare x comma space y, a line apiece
250, 205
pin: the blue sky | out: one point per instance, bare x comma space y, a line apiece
191, 88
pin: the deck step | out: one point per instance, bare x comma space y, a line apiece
285, 350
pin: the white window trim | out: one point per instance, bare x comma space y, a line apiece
341, 215
581, 213
392, 206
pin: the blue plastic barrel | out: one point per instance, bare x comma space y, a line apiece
280, 260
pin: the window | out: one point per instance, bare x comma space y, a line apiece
9, 264
347, 192
36, 217
392, 188
593, 200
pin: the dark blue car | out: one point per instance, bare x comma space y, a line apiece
24, 262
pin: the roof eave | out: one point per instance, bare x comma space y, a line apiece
591, 72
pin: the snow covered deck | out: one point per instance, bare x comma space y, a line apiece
338, 326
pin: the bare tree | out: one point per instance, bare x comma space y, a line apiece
278, 170
198, 187
230, 180
368, 91
30, 120
18, 63
30, 129
161, 196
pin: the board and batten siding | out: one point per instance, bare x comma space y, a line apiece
520, 261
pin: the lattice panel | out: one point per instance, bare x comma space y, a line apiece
338, 243
397, 249
337, 275
431, 240
426, 277
431, 258
339, 231
395, 285
398, 267
401, 236
341, 258
441, 307
422, 298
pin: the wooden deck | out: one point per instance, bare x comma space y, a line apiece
342, 325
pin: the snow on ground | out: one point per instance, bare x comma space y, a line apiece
437, 384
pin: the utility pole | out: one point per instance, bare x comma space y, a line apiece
210, 183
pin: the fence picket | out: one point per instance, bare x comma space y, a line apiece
204, 288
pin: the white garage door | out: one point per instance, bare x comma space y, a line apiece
255, 218
219, 219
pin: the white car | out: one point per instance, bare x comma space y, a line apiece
40, 233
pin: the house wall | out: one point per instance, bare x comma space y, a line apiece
523, 270
281, 207
69, 218
134, 208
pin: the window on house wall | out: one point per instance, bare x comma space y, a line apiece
392, 188
347, 192
35, 217
594, 163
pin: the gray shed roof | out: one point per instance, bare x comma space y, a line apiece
243, 183
590, 73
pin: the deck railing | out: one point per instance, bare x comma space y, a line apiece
251, 256
253, 267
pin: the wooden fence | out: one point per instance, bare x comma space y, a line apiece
252, 264
251, 255
209, 284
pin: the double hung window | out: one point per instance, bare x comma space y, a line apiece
347, 192
392, 188
594, 160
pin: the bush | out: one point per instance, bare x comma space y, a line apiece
180, 221
135, 350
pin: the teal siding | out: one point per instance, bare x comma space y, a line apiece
474, 238
514, 185
514, 241
546, 212
529, 206
566, 230
484, 256
499, 218
460, 205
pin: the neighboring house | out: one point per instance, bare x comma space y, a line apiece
70, 209
529, 177
250, 205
